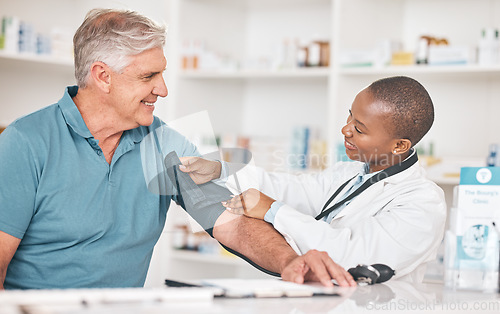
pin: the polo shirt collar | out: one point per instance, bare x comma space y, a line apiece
136, 135
71, 113
74, 118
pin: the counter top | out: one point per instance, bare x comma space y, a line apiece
390, 297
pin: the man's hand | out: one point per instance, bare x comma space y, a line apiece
316, 266
251, 203
201, 170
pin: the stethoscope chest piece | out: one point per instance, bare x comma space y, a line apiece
370, 274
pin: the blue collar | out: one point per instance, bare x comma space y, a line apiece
71, 113
74, 118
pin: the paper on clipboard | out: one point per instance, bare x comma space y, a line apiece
267, 288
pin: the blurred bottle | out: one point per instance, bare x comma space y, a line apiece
488, 49
302, 53
422, 53
314, 53
493, 156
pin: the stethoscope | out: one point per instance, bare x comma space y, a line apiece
376, 273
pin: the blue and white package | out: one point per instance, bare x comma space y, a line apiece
472, 247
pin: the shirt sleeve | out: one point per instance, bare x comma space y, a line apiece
202, 202
271, 213
306, 193
402, 235
224, 173
18, 183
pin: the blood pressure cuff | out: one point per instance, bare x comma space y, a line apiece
202, 202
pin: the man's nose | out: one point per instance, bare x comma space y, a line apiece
161, 88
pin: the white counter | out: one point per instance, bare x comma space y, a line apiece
391, 297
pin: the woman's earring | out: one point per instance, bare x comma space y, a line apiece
395, 152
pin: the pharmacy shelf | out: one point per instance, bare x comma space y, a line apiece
261, 4
37, 59
422, 69
447, 170
452, 179
193, 256
322, 72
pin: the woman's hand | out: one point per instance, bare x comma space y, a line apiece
251, 203
200, 170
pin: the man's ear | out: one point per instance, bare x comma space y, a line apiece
101, 75
402, 146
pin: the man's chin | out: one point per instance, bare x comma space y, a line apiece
147, 122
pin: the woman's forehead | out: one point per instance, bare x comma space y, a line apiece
366, 105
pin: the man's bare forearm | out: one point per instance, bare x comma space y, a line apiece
3, 273
8, 246
256, 239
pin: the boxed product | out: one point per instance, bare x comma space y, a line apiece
472, 242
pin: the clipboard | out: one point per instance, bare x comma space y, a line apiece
259, 288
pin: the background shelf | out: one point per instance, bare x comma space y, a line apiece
36, 59
466, 70
194, 256
243, 74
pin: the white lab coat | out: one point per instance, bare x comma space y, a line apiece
398, 221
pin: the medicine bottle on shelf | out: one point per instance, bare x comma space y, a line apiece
488, 48
314, 54
302, 54
422, 53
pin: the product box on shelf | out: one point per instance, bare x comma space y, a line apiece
450, 55
472, 241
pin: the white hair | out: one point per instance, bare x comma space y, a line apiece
112, 36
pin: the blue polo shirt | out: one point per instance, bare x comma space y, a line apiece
83, 222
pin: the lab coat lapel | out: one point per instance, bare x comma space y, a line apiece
362, 201
342, 193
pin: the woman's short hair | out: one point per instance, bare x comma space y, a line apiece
410, 107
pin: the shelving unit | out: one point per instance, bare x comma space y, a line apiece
320, 73
184, 255
36, 59
326, 93
332, 90
450, 86
205, 266
246, 101
467, 70
467, 94
30, 83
